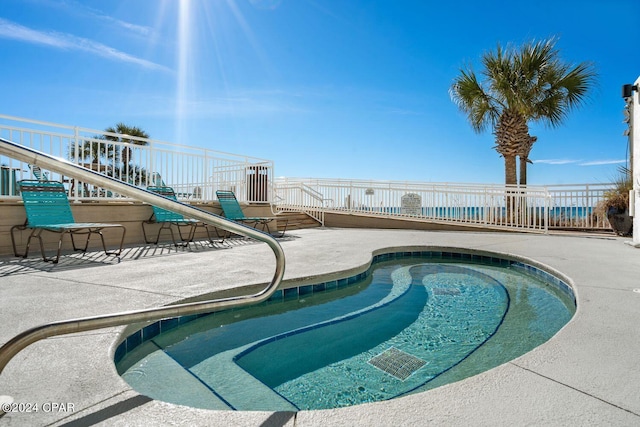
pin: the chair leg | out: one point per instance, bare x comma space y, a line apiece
144, 232
225, 235
34, 233
86, 244
104, 246
60, 247
158, 236
37, 233
286, 223
13, 239
252, 224
173, 238
192, 232
124, 232
265, 225
163, 226
160, 231
206, 227
190, 236
167, 226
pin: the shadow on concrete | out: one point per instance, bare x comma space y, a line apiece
109, 412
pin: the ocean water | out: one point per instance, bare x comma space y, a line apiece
565, 212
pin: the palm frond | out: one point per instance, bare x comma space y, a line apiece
472, 99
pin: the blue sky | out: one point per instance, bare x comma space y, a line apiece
325, 88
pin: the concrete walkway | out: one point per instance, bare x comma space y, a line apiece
588, 374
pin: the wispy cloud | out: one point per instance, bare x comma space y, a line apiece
87, 11
139, 29
603, 162
579, 162
556, 161
11, 30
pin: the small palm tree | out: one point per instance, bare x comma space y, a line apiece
94, 151
529, 84
132, 136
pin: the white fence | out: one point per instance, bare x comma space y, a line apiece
532, 208
194, 173
574, 206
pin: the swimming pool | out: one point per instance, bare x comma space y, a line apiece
413, 321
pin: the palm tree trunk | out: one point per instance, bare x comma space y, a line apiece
510, 179
525, 148
510, 176
523, 171
510, 133
523, 185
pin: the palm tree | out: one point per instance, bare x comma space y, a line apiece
130, 135
529, 84
94, 151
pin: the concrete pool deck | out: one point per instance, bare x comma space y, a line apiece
588, 374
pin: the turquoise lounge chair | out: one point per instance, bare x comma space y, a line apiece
156, 180
232, 210
167, 219
48, 209
38, 173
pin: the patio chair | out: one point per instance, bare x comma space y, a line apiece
43, 176
48, 209
38, 173
167, 219
156, 180
232, 210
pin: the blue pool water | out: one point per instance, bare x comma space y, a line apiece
410, 324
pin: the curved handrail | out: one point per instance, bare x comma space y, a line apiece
24, 339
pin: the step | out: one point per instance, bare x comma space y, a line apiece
296, 220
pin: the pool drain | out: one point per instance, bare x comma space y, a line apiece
397, 363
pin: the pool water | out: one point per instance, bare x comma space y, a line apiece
410, 325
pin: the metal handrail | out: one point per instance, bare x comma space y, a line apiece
62, 166
314, 210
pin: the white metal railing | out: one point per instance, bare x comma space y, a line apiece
535, 208
574, 206
194, 173
299, 197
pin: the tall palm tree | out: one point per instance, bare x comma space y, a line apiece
131, 135
521, 85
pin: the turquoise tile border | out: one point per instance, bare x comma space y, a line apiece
154, 329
